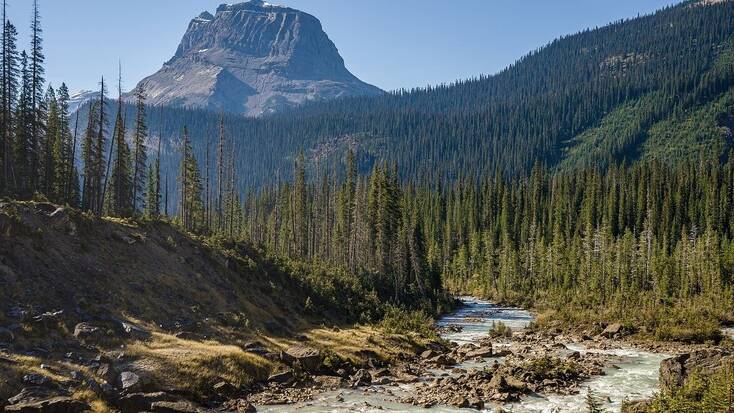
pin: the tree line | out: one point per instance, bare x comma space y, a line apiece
38, 140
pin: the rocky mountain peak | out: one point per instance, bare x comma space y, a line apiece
253, 58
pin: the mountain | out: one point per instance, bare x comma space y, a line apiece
253, 58
654, 87
660, 86
80, 98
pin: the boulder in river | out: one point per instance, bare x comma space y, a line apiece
361, 378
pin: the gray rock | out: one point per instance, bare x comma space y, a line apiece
134, 332
87, 332
282, 377
253, 58
675, 371
107, 372
31, 394
612, 330
224, 389
51, 316
139, 402
53, 405
176, 407
361, 378
308, 358
36, 379
129, 381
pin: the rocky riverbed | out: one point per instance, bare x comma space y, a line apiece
526, 372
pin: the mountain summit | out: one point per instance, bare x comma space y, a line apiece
253, 58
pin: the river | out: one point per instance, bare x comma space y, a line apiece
635, 377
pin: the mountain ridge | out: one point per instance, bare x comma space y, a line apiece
253, 58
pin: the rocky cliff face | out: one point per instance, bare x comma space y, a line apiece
253, 58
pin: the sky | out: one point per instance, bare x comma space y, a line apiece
389, 43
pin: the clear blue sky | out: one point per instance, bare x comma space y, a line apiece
389, 43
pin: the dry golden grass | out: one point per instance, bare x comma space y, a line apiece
196, 366
98, 405
350, 343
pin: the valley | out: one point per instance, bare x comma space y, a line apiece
252, 228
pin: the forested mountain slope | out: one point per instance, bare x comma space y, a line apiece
654, 87
657, 86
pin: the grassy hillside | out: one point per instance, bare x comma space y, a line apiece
197, 307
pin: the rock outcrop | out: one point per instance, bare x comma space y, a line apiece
675, 371
253, 58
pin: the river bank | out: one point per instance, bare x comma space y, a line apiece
528, 372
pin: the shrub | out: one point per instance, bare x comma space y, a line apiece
713, 393
500, 329
397, 320
692, 333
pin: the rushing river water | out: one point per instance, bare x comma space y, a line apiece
636, 376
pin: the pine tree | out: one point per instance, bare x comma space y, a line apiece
64, 149
101, 165
140, 157
24, 149
191, 207
153, 192
50, 142
120, 202
36, 60
9, 72
90, 159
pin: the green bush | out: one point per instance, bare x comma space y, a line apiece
714, 393
500, 329
400, 321
692, 333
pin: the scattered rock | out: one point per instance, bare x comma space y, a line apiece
31, 394
239, 406
361, 378
134, 332
282, 377
36, 379
87, 333
129, 381
176, 407
107, 372
140, 402
308, 358
328, 382
675, 371
224, 389
483, 352
188, 335
612, 330
53, 405
51, 316
442, 360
